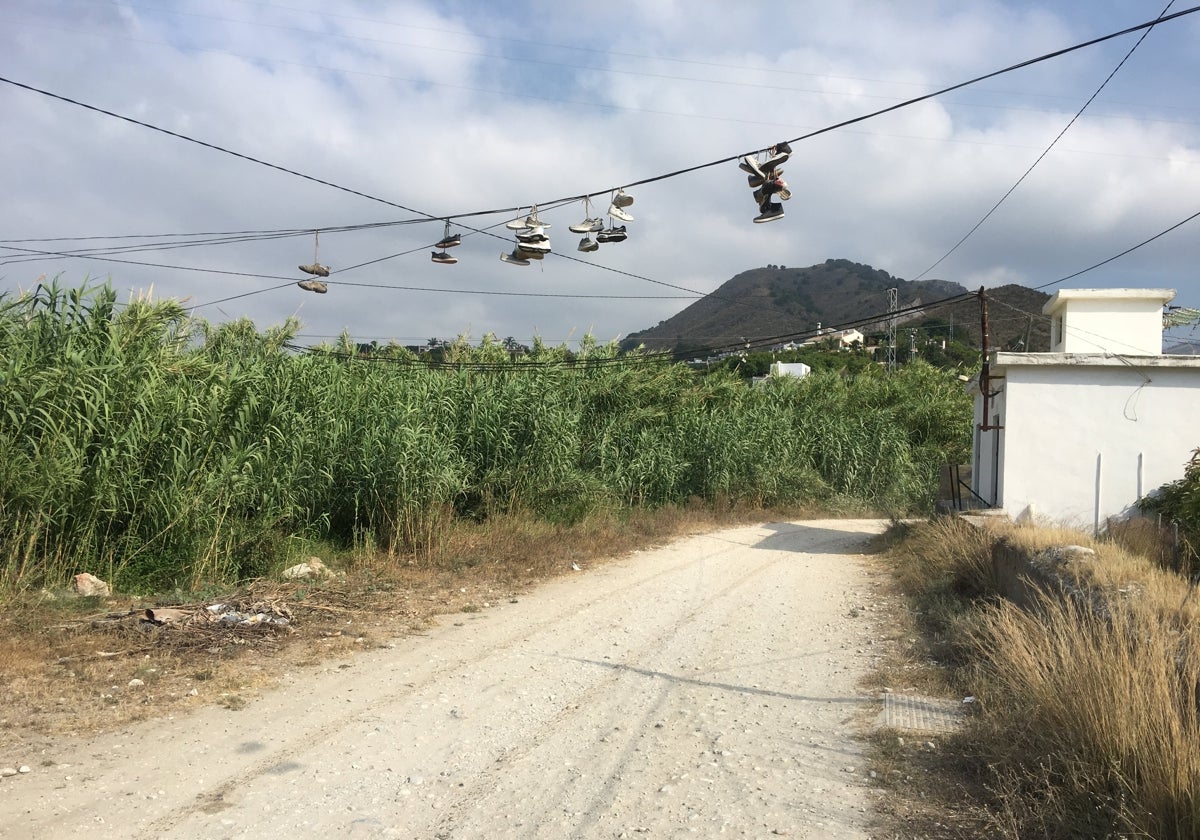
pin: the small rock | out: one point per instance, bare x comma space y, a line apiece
86, 584
24, 768
575, 567
193, 693
135, 683
8, 771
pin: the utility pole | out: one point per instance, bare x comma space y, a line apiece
893, 298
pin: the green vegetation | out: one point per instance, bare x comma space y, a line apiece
163, 452
1087, 703
1179, 502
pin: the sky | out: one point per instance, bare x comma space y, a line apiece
413, 112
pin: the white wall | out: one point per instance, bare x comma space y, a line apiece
1117, 326
1082, 441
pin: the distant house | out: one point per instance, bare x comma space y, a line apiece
843, 339
796, 369
1079, 434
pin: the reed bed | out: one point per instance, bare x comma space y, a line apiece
163, 452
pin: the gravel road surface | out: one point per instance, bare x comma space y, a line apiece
703, 689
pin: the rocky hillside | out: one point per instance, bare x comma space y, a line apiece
763, 303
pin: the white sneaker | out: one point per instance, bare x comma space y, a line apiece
533, 234
527, 248
749, 163
515, 258
621, 199
617, 213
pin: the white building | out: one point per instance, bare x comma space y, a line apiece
1079, 434
796, 369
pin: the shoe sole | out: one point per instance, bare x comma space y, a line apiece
760, 220
509, 258
617, 213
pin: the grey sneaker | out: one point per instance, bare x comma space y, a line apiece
774, 161
588, 226
515, 258
444, 258
771, 211
587, 245
316, 269
313, 286
621, 199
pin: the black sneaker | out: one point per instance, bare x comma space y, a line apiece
449, 241
755, 181
613, 234
444, 258
771, 211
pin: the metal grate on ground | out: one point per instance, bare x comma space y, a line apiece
919, 714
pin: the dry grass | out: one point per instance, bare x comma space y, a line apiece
1088, 706
66, 662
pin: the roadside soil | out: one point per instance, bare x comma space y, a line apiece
711, 687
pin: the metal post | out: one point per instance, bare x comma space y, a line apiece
893, 297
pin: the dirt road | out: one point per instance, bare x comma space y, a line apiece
703, 689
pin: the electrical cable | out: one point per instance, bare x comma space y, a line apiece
633, 359
581, 196
562, 201
1046, 151
1118, 256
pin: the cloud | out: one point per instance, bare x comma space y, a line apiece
458, 107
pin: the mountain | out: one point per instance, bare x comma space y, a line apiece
776, 301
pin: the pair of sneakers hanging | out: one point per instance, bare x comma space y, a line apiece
532, 241
590, 224
448, 240
765, 178
316, 269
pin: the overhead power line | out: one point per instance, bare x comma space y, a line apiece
568, 199
1046, 151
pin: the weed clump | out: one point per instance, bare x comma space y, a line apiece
1086, 704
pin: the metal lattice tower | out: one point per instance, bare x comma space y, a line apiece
893, 296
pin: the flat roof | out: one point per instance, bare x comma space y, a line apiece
1060, 298
1001, 359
